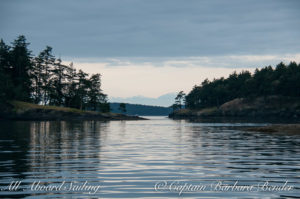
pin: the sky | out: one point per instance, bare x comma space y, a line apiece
150, 48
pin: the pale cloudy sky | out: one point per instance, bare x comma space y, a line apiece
150, 48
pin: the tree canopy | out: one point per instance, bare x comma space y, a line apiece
45, 80
283, 80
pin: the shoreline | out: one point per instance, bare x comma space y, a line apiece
22, 111
279, 107
286, 129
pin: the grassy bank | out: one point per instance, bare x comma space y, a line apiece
17, 110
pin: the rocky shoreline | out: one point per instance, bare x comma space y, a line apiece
262, 107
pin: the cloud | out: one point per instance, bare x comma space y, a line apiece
225, 61
171, 28
155, 47
153, 77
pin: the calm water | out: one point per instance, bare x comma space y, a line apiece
157, 158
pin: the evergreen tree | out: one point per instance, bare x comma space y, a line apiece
94, 93
6, 86
104, 106
47, 60
82, 89
180, 99
284, 80
58, 83
71, 87
21, 66
44, 79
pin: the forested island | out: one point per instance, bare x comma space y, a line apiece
42, 87
268, 92
139, 109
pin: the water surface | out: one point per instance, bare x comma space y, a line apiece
156, 158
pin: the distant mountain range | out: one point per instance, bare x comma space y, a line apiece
138, 109
165, 100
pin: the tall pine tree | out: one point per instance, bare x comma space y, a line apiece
21, 66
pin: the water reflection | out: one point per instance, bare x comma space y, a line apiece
56, 145
129, 157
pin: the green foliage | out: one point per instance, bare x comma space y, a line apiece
20, 67
179, 101
6, 85
42, 76
284, 80
45, 80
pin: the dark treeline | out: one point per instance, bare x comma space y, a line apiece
138, 109
283, 80
43, 79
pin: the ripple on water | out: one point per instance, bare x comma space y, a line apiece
127, 158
